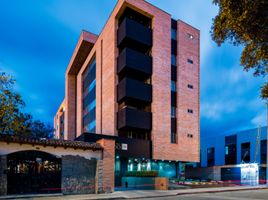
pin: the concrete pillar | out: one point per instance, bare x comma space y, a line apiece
105, 167
3, 175
70, 108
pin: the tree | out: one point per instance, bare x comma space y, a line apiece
41, 130
245, 22
12, 119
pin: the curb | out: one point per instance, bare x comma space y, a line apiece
219, 191
141, 197
197, 192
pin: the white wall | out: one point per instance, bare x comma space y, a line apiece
6, 149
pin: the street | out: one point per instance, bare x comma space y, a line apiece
239, 195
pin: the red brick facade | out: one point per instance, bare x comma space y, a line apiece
105, 50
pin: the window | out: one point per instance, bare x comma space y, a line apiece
230, 150
190, 36
263, 151
245, 152
89, 100
173, 34
210, 156
173, 86
173, 112
190, 111
174, 138
230, 154
190, 135
173, 59
190, 61
190, 86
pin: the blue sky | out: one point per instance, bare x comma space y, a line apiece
37, 39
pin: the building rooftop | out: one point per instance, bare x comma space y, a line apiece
50, 142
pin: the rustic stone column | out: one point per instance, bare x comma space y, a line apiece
105, 167
3, 176
78, 175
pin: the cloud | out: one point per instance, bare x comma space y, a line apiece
260, 119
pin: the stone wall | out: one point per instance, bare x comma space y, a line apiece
99, 177
3, 176
78, 175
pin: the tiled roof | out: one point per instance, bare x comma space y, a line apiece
50, 142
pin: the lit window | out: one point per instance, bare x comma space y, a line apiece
190, 61
173, 59
173, 86
190, 36
226, 150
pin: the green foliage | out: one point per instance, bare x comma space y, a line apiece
264, 94
12, 120
245, 22
142, 173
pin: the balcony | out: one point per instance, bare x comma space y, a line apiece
134, 34
132, 90
132, 62
129, 118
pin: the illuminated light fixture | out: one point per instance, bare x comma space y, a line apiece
117, 157
131, 167
148, 168
139, 167
190, 36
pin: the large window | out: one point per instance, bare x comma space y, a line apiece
245, 152
173, 60
89, 98
230, 150
210, 156
173, 34
173, 137
263, 151
173, 86
173, 112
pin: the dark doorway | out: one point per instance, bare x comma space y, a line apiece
32, 172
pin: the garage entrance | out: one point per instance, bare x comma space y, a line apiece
32, 172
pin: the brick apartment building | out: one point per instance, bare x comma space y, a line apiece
136, 84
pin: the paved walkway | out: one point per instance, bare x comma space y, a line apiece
137, 194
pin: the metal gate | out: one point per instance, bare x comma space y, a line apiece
32, 172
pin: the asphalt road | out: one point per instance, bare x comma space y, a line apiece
240, 195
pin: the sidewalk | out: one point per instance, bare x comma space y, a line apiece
136, 194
